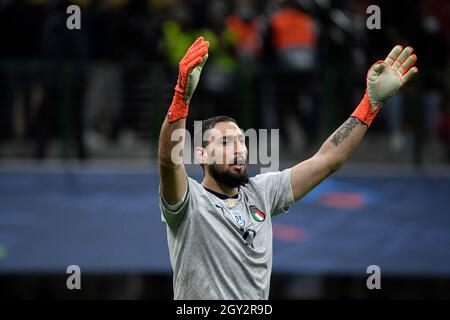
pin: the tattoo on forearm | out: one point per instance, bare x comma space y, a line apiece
344, 131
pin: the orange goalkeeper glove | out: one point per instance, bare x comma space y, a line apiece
189, 71
384, 79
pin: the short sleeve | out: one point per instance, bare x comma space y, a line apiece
173, 215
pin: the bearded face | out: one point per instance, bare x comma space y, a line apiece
230, 175
226, 155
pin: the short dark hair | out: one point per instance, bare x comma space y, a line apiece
211, 122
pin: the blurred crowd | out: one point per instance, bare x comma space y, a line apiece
295, 65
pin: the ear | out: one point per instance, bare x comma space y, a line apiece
201, 155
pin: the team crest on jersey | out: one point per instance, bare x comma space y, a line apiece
238, 218
257, 214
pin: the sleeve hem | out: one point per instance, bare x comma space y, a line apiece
177, 207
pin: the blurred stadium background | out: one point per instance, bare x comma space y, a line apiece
80, 114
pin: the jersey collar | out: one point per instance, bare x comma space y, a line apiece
221, 196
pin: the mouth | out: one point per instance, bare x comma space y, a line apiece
237, 167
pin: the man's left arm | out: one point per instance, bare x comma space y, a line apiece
384, 79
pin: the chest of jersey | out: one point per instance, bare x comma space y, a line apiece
240, 217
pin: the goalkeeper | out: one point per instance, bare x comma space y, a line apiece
219, 231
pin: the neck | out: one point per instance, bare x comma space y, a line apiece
213, 185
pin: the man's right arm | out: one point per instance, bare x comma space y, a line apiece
172, 174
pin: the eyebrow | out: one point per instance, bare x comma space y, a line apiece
240, 136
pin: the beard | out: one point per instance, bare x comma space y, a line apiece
228, 178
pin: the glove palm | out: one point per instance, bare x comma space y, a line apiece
386, 77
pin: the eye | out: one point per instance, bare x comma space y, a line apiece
227, 141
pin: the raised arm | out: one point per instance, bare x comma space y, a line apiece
172, 174
384, 79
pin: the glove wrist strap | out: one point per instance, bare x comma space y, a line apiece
178, 108
364, 112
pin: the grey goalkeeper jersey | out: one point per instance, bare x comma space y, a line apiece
222, 248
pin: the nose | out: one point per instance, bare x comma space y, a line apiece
240, 148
